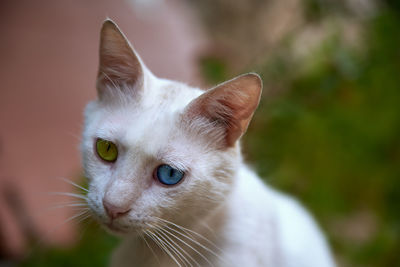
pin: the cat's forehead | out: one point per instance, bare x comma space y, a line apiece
150, 121
168, 95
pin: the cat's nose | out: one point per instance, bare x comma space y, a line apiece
114, 211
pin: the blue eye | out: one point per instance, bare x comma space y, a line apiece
168, 175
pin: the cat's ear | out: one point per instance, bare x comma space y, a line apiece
119, 66
229, 106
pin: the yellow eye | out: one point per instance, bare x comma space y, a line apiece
106, 150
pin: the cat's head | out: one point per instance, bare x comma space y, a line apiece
155, 149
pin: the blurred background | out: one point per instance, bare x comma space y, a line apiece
327, 129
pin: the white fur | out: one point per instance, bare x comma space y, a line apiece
241, 221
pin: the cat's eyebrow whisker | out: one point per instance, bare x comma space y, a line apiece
72, 183
69, 195
165, 248
191, 247
172, 244
176, 244
186, 230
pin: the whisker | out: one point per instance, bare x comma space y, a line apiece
67, 205
193, 240
72, 183
78, 201
186, 230
148, 245
74, 205
183, 250
174, 249
176, 244
151, 235
85, 225
83, 218
165, 248
154, 240
86, 210
188, 245
81, 213
68, 194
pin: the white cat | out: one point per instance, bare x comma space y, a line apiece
165, 171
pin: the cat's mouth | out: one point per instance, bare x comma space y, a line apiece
115, 229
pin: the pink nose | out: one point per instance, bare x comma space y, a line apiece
115, 211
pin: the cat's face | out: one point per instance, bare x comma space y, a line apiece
157, 150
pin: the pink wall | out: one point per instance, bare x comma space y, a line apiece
48, 64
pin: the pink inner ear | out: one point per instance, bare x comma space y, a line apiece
230, 104
119, 66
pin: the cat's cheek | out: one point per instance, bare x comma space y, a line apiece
95, 204
96, 211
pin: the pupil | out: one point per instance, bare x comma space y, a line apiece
171, 172
108, 147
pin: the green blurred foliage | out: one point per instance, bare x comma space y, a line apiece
332, 139
93, 249
330, 136
214, 69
